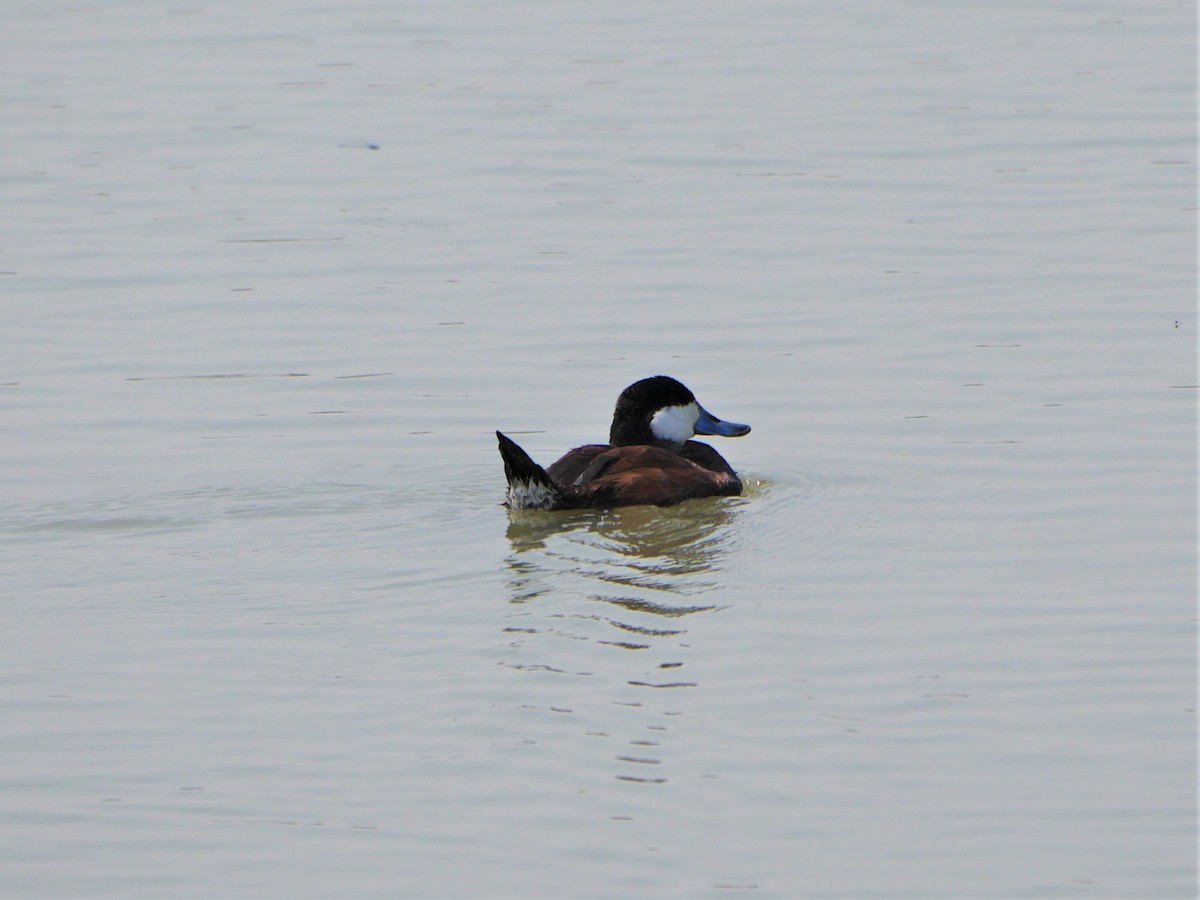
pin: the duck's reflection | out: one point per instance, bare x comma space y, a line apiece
674, 550
601, 604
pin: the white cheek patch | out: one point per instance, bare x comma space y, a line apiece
675, 424
530, 495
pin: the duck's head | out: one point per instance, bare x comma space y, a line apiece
663, 412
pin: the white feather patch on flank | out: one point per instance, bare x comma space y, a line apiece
531, 495
675, 424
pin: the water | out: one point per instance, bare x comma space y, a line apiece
272, 276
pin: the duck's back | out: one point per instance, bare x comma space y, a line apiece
574, 463
643, 474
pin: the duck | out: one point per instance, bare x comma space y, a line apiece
650, 457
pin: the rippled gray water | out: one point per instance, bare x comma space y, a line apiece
273, 275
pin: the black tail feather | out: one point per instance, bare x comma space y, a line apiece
529, 487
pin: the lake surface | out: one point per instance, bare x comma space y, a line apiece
272, 274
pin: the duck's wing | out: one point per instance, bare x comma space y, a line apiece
625, 476
571, 468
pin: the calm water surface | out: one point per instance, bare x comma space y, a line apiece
273, 274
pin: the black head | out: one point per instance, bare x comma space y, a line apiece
663, 412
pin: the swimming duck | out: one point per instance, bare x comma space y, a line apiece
649, 458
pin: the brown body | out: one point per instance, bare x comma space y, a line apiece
600, 474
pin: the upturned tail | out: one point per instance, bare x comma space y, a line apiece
529, 487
